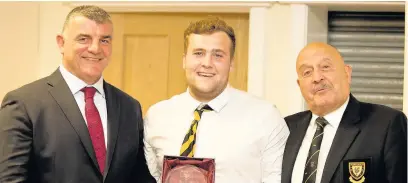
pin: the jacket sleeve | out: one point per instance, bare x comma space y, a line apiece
395, 150
16, 138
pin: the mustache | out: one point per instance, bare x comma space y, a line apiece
319, 87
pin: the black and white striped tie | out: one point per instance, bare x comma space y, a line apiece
313, 156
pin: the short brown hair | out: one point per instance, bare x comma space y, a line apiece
209, 26
94, 13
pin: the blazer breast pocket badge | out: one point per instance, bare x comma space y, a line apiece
357, 170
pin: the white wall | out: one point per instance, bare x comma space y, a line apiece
51, 19
287, 35
277, 34
19, 48
317, 20
29, 50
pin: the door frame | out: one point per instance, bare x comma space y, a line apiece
175, 6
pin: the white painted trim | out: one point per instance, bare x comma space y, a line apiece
378, 6
175, 6
354, 3
257, 58
299, 34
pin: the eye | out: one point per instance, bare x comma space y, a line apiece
105, 41
307, 73
218, 55
326, 66
82, 40
198, 53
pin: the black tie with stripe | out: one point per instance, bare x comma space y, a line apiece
188, 146
313, 156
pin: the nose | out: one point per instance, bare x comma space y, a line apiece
317, 76
206, 61
94, 47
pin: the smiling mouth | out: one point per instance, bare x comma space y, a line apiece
204, 74
92, 59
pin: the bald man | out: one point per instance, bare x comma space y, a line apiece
340, 139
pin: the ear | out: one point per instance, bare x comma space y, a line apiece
184, 61
298, 82
232, 65
60, 42
348, 70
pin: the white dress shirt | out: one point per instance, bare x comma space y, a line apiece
75, 85
330, 129
246, 136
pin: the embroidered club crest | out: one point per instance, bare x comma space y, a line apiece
357, 170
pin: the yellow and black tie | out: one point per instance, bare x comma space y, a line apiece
188, 146
313, 156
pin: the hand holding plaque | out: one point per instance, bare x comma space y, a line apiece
178, 169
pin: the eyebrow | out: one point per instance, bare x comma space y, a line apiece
324, 59
198, 49
213, 50
89, 36
303, 66
83, 35
107, 37
218, 50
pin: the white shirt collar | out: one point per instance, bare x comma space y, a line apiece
75, 84
334, 117
217, 104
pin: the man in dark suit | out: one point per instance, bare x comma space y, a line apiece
341, 139
72, 126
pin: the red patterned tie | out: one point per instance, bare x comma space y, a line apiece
95, 127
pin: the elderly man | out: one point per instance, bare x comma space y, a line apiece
340, 139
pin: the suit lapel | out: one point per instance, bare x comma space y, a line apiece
293, 145
62, 95
113, 107
345, 135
